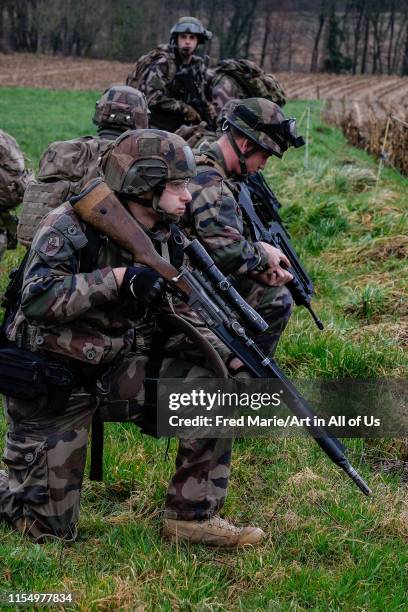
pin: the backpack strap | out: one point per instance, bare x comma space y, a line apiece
203, 161
90, 252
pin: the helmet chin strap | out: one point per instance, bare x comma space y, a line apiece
164, 215
242, 157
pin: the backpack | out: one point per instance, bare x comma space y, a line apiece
65, 167
13, 176
251, 79
137, 76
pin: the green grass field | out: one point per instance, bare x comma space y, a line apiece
327, 548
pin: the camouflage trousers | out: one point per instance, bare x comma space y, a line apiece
46, 453
274, 304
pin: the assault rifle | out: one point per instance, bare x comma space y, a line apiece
260, 206
210, 294
193, 95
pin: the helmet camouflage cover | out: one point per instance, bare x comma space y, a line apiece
122, 107
142, 160
263, 123
192, 25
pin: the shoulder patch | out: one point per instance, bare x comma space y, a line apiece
51, 243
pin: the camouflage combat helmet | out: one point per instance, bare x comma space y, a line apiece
143, 160
192, 26
263, 123
121, 107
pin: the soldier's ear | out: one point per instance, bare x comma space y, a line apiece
244, 144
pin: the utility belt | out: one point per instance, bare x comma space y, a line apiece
27, 376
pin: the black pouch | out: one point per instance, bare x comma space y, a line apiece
26, 375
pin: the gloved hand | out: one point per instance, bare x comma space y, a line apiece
190, 114
144, 285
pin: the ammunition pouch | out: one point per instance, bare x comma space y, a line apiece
25, 375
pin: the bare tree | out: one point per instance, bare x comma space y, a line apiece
322, 15
359, 7
365, 42
404, 69
367, 35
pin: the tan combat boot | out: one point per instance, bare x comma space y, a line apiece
212, 532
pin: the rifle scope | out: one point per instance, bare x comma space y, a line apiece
202, 260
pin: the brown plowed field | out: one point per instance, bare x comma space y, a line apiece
361, 105
23, 70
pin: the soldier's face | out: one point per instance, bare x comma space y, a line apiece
187, 43
175, 198
257, 161
256, 157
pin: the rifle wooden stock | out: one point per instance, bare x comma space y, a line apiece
103, 211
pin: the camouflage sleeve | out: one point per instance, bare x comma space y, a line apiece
154, 86
53, 289
216, 219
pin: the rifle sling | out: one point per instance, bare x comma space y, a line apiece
247, 207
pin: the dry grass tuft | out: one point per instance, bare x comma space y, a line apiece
358, 178
304, 477
384, 329
124, 596
384, 247
395, 523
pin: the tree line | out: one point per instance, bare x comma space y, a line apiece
340, 36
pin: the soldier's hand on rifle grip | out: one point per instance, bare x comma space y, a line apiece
272, 278
275, 256
142, 284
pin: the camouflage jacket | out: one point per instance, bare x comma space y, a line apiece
215, 217
165, 94
75, 313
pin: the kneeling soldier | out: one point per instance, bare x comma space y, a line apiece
252, 131
87, 311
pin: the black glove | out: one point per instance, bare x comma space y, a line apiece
143, 284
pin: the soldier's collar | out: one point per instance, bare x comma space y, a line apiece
161, 232
212, 155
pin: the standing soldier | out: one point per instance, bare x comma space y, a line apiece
13, 181
252, 131
66, 166
91, 321
173, 78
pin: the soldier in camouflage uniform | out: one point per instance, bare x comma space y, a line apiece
13, 181
253, 130
66, 166
96, 320
240, 79
155, 74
